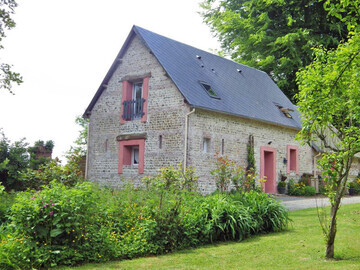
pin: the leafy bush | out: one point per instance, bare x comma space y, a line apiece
13, 159
269, 215
300, 189
6, 200
281, 184
229, 172
355, 185
64, 225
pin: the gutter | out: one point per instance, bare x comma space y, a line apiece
186, 137
87, 153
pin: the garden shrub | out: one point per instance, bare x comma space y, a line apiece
300, 189
228, 172
268, 214
6, 200
69, 174
64, 225
355, 185
227, 219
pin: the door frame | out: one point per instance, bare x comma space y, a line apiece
264, 149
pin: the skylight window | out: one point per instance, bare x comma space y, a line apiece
285, 111
209, 90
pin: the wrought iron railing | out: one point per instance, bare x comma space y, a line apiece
133, 109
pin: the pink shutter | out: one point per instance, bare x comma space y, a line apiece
125, 95
145, 96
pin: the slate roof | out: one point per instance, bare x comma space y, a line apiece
250, 93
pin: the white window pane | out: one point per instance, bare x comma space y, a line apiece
137, 91
206, 145
135, 156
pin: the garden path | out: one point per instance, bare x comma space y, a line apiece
296, 203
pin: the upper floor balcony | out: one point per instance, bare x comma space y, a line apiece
133, 109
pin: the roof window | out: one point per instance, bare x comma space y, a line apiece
285, 111
209, 90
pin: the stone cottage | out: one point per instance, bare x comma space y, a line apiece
164, 102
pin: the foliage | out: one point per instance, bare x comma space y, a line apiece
69, 174
7, 76
300, 189
61, 225
39, 147
355, 185
81, 141
329, 102
229, 172
175, 179
274, 36
6, 200
13, 159
48, 145
281, 184
250, 155
297, 248
269, 214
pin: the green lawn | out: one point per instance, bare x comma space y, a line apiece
301, 247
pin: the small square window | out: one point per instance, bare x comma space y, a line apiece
206, 145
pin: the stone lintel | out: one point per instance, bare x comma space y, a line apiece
132, 78
131, 136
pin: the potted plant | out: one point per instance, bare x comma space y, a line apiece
281, 187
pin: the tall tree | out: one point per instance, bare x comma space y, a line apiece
7, 76
14, 158
275, 36
81, 141
329, 102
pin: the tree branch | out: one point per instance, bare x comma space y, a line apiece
344, 69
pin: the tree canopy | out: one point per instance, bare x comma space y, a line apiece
274, 36
7, 76
329, 95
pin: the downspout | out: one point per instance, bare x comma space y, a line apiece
186, 137
87, 153
315, 178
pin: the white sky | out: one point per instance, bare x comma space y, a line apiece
63, 49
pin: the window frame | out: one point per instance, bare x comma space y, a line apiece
134, 92
124, 155
292, 150
206, 141
128, 94
204, 84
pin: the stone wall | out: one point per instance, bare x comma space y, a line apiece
235, 131
166, 116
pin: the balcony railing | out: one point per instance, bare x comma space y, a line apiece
133, 109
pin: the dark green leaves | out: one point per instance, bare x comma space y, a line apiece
274, 36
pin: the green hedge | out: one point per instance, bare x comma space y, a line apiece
62, 225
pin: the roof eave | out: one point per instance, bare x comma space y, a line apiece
246, 117
110, 72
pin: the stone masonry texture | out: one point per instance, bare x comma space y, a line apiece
167, 110
166, 117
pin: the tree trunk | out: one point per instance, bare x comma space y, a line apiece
330, 243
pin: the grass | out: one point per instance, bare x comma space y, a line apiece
301, 247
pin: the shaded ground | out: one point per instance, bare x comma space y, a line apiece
296, 203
